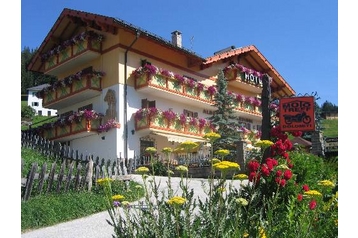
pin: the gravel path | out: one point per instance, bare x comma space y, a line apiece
95, 226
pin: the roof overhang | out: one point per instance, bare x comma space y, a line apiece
252, 58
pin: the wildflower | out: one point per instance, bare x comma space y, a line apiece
264, 143
262, 233
125, 203
212, 136
312, 205
313, 193
182, 168
188, 145
226, 165
117, 197
326, 183
305, 187
214, 160
222, 152
103, 181
138, 186
170, 172
151, 150
299, 197
116, 203
176, 200
242, 201
241, 176
142, 170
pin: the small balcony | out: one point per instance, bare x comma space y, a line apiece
72, 53
72, 89
153, 120
79, 124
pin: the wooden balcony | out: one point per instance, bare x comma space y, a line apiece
169, 88
73, 55
158, 123
70, 131
78, 90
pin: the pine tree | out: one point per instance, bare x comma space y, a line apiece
223, 118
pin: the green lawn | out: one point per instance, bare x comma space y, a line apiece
330, 128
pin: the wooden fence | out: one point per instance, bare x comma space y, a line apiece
77, 171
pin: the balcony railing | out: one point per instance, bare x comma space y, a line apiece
76, 125
73, 52
153, 119
73, 89
149, 78
76, 129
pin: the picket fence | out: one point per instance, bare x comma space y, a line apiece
77, 171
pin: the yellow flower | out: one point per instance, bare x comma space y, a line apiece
117, 197
167, 150
181, 168
262, 233
242, 201
142, 170
264, 143
326, 183
221, 189
176, 200
151, 150
125, 203
103, 181
226, 165
212, 136
214, 160
222, 152
138, 186
241, 176
246, 234
313, 193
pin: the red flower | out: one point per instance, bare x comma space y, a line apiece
253, 165
287, 174
305, 187
312, 205
278, 173
254, 177
281, 182
265, 170
299, 197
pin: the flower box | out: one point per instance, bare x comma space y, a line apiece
63, 91
159, 81
190, 91
141, 81
63, 130
65, 54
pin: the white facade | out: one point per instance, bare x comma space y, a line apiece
36, 103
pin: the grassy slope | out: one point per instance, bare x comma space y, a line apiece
330, 128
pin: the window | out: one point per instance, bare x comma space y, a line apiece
35, 104
146, 103
88, 107
66, 114
48, 113
39, 113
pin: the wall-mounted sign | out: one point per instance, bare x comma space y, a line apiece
251, 79
297, 114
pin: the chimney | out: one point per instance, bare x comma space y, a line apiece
176, 38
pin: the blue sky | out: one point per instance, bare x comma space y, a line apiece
299, 38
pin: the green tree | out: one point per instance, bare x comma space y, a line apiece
29, 78
224, 119
27, 112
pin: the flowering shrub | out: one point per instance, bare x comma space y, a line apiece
212, 90
169, 115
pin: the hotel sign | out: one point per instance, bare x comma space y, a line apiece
251, 79
297, 114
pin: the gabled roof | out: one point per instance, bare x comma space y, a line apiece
256, 61
69, 20
38, 87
